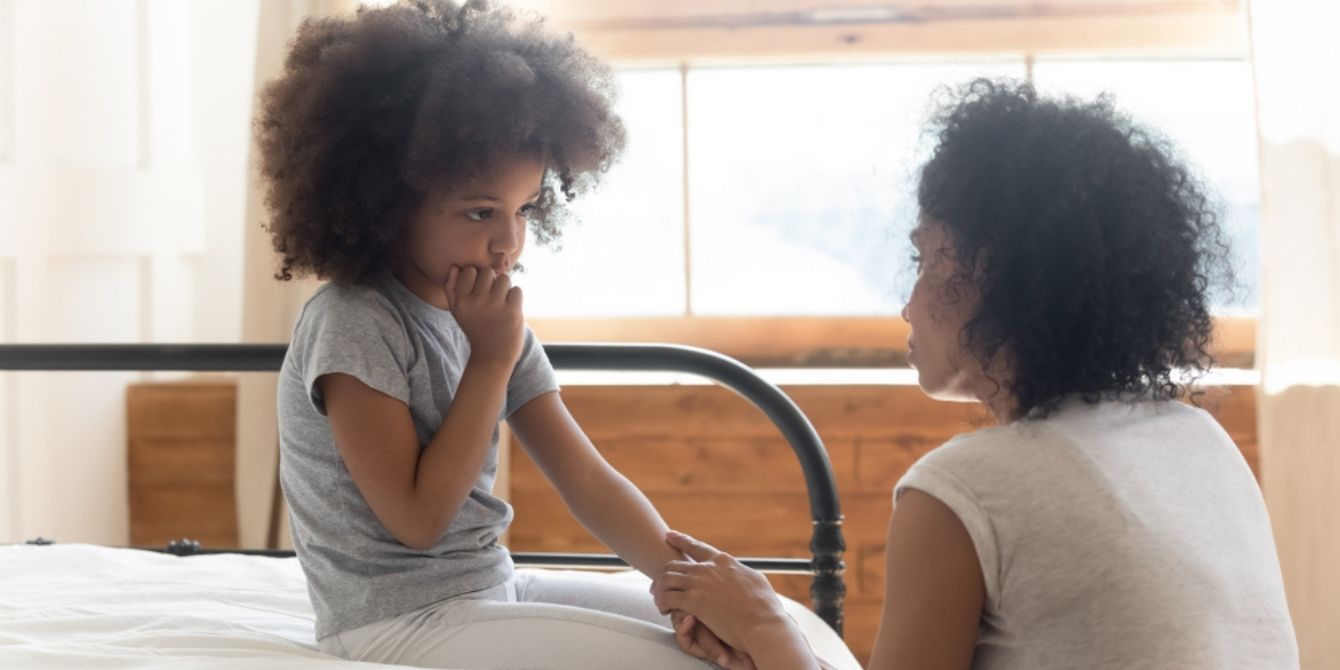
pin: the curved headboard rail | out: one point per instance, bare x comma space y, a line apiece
827, 590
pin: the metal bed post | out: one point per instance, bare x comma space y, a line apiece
827, 589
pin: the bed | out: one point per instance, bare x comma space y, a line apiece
75, 605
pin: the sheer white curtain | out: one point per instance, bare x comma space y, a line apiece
1297, 61
122, 143
269, 306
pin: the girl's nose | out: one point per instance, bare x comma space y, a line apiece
904, 312
506, 238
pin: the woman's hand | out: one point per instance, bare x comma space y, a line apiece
488, 309
699, 641
736, 602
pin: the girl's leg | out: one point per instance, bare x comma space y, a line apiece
626, 594
482, 633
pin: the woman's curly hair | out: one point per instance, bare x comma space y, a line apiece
1091, 244
375, 111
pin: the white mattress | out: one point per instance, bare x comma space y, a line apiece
83, 606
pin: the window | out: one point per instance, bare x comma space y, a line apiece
799, 187
624, 255
800, 184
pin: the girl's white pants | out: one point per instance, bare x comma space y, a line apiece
540, 619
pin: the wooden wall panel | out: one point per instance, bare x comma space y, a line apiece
180, 453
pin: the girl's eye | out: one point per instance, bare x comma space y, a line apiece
479, 214
526, 211
916, 260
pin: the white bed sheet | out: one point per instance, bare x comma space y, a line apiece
85, 606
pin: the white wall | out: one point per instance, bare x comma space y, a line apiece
123, 148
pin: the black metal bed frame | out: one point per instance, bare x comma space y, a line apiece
827, 589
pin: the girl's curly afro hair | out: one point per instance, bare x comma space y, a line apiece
1091, 244
375, 111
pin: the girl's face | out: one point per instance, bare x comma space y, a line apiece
937, 312
481, 223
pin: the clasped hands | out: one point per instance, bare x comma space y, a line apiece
719, 606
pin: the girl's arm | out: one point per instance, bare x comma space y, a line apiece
608, 506
601, 499
416, 492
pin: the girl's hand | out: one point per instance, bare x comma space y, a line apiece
488, 309
737, 603
698, 641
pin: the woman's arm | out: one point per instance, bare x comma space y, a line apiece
933, 599
933, 589
600, 498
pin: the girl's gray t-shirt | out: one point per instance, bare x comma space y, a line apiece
394, 342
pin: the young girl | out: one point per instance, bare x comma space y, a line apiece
406, 152
1063, 258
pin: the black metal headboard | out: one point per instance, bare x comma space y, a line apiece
827, 589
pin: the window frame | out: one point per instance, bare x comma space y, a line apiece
816, 341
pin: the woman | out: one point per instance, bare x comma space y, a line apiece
1063, 257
